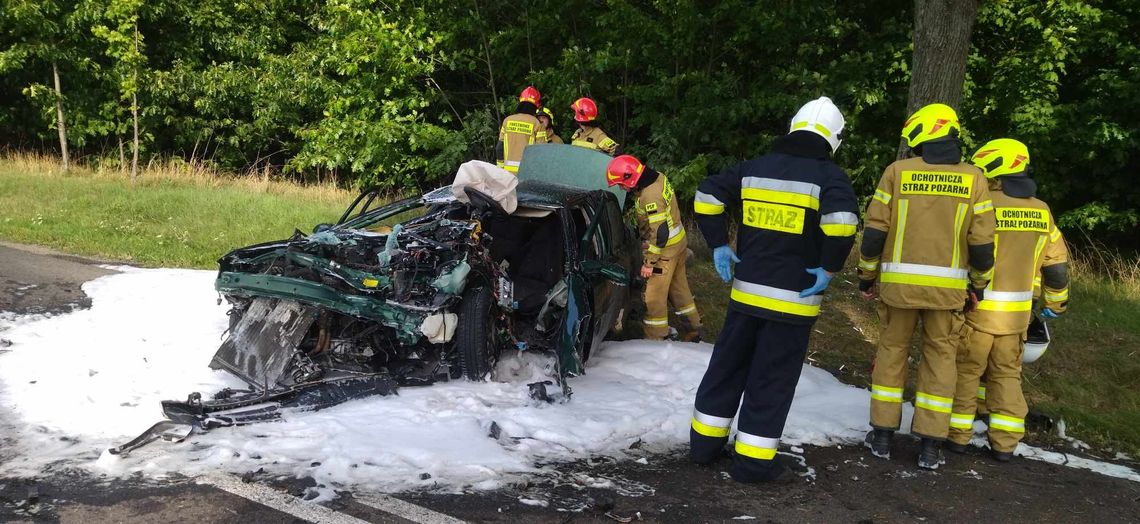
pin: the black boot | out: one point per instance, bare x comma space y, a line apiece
879, 440
956, 447
930, 454
751, 471
1002, 456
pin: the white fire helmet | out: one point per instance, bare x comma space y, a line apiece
1036, 340
820, 116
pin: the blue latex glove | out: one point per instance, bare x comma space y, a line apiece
822, 279
1048, 313
723, 258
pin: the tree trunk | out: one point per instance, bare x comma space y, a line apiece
942, 31
529, 55
490, 66
59, 117
135, 115
122, 156
135, 144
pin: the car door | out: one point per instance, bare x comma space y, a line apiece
605, 264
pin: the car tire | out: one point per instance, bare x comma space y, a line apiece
475, 334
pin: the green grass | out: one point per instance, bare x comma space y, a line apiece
188, 218
1091, 374
163, 221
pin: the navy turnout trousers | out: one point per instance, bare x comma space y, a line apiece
762, 360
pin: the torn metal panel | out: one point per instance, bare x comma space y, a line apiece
405, 322
261, 345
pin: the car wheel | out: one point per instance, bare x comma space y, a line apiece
475, 334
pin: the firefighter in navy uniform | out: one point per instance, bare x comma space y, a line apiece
798, 220
666, 248
519, 130
1027, 244
928, 248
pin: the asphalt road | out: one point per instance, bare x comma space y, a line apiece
845, 484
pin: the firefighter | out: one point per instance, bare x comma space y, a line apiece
1027, 244
589, 135
519, 130
798, 220
927, 253
666, 251
546, 117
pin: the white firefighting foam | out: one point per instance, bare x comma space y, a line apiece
75, 384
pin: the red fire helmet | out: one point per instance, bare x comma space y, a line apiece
531, 94
585, 110
624, 171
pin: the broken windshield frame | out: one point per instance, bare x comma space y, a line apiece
367, 219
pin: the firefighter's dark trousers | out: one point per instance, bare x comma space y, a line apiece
762, 360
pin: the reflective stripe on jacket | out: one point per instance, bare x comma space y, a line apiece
518, 131
1026, 238
591, 137
659, 220
931, 215
797, 211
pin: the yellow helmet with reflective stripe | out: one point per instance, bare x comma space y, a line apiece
1004, 156
929, 123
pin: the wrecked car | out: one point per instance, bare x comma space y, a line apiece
424, 289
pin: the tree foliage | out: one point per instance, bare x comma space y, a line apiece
399, 93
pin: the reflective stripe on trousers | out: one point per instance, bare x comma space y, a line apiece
755, 446
886, 394
933, 402
775, 299
1007, 423
711, 426
962, 421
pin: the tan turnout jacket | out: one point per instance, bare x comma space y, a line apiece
931, 214
1027, 240
594, 138
518, 131
659, 220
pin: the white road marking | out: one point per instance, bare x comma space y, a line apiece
279, 501
405, 509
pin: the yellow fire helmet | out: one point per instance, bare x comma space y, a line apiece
929, 123
1004, 156
549, 114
